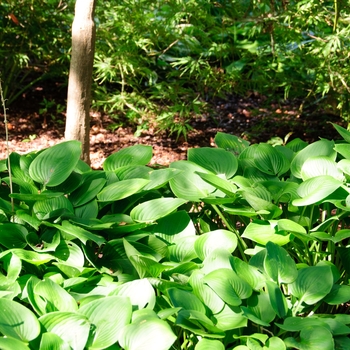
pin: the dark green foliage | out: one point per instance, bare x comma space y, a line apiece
160, 62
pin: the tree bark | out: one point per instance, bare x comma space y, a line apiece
80, 76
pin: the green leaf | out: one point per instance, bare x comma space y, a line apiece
270, 161
223, 185
312, 338
263, 232
208, 242
56, 298
30, 257
343, 149
16, 321
316, 189
121, 189
345, 134
230, 143
108, 316
279, 265
53, 166
277, 299
216, 160
147, 332
274, 343
92, 184
312, 284
186, 300
259, 308
159, 177
205, 293
188, 184
78, 232
73, 328
13, 235
209, 344
140, 292
11, 344
228, 286
230, 318
340, 294
317, 166
319, 148
51, 341
155, 209
52, 208
134, 155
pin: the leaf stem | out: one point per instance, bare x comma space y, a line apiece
7, 145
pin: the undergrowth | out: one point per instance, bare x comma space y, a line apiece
238, 247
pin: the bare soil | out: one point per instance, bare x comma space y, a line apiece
252, 118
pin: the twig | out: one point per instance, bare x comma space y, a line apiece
7, 144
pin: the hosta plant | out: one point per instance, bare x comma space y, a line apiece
238, 247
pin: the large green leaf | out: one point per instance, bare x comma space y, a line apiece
121, 189
188, 184
147, 331
73, 328
56, 298
53, 166
259, 309
11, 344
140, 292
17, 321
230, 318
263, 232
319, 148
210, 241
228, 286
216, 160
321, 165
155, 209
108, 316
77, 232
279, 265
52, 208
186, 300
134, 155
312, 338
312, 284
230, 143
92, 184
316, 189
269, 160
205, 293
13, 235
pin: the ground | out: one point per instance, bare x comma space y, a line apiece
251, 117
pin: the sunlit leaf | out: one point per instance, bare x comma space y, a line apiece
188, 184
134, 155
72, 327
216, 160
319, 148
121, 189
312, 284
108, 316
53, 166
17, 321
155, 209
210, 241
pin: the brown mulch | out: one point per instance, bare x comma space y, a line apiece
252, 118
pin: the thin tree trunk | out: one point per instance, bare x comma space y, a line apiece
80, 76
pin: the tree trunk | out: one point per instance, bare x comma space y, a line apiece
80, 76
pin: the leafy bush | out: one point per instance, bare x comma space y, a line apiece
238, 247
34, 43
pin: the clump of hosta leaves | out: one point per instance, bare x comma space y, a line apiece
238, 247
